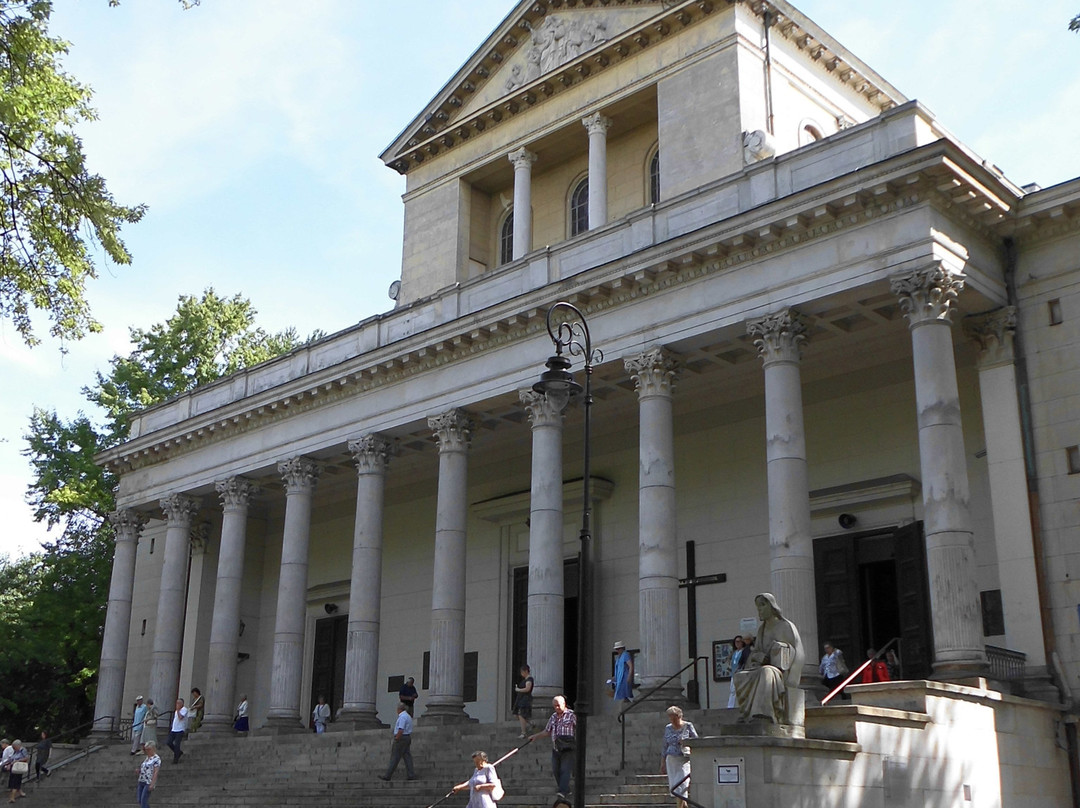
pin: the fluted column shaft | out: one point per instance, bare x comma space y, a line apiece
372, 456
597, 126
546, 604
926, 296
445, 702
993, 333
235, 494
299, 475
523, 160
654, 373
114, 643
179, 511
779, 338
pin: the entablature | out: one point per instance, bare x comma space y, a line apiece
762, 211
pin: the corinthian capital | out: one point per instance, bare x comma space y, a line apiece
299, 474
453, 430
544, 409
371, 453
236, 492
993, 333
179, 509
127, 523
596, 123
779, 337
927, 294
654, 371
521, 158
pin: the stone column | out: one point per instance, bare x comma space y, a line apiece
779, 338
299, 475
235, 494
654, 374
545, 605
993, 333
523, 160
180, 510
597, 126
445, 702
114, 644
926, 296
372, 456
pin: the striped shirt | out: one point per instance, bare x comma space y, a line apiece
561, 726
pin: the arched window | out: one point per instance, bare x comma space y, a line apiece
579, 208
654, 177
506, 238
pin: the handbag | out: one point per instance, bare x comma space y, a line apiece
565, 743
20, 767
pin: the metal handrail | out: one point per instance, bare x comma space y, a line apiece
858, 671
645, 696
685, 796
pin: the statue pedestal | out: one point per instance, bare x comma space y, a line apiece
758, 764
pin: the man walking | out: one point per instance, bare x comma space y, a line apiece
400, 747
562, 727
177, 729
137, 721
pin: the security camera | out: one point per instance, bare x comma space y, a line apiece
847, 521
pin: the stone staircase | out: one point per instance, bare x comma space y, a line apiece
342, 768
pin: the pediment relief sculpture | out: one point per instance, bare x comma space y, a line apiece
557, 40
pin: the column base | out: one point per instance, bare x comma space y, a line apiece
443, 714
348, 721
954, 670
281, 725
1038, 684
217, 725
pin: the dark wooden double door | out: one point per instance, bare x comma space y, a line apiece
871, 587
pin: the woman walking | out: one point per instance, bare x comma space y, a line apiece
149, 731
523, 701
485, 789
148, 774
18, 764
241, 722
675, 757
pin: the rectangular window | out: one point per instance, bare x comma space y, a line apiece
1072, 455
1054, 310
993, 615
395, 683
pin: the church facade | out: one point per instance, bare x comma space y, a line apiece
840, 363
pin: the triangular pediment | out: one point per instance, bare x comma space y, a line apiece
560, 38
535, 40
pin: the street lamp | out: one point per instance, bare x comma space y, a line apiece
572, 335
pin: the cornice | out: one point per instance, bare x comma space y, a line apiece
930, 175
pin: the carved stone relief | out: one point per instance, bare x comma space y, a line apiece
557, 40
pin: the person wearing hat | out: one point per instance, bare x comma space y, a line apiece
138, 720
624, 673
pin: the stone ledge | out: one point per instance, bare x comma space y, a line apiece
727, 743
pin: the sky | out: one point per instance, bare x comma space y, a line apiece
252, 129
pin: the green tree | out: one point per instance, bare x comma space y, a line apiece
54, 601
1074, 23
53, 211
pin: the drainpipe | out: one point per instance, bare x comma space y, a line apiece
767, 22
1023, 395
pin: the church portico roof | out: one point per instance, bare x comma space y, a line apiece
679, 247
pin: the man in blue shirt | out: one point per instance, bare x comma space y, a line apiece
408, 694
137, 725
400, 748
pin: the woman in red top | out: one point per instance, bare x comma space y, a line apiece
876, 671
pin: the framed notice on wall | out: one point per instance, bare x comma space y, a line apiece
721, 660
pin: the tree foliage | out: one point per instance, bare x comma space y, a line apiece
1074, 23
54, 601
53, 210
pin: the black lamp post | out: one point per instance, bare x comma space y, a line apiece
572, 335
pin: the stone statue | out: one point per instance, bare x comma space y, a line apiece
767, 686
